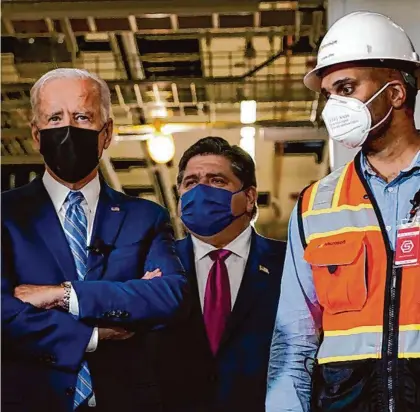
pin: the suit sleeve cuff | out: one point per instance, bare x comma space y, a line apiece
93, 343
74, 303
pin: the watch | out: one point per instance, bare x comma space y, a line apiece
65, 303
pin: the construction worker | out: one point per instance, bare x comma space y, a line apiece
347, 333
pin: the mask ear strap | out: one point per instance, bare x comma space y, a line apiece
379, 123
377, 93
241, 190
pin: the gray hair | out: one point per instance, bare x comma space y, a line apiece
73, 74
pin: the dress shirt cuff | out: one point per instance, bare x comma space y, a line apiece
93, 343
74, 303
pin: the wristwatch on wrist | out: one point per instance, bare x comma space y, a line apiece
65, 303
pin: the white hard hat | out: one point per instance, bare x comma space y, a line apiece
363, 36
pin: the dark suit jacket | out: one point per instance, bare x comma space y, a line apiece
42, 349
191, 378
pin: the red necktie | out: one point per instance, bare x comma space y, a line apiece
217, 301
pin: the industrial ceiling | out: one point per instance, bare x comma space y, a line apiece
196, 59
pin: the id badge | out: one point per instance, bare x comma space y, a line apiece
407, 249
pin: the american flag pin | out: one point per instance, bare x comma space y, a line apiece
115, 209
264, 269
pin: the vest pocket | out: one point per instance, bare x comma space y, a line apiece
339, 268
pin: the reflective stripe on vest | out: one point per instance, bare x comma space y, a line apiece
365, 343
325, 217
347, 253
331, 222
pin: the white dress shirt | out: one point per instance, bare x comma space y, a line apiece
58, 194
235, 262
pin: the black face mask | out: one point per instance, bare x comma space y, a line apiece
70, 152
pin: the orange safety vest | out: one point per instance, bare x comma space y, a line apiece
371, 310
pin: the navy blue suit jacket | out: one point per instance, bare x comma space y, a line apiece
43, 349
191, 378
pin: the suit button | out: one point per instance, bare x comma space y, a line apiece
70, 391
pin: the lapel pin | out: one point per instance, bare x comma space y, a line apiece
115, 209
264, 269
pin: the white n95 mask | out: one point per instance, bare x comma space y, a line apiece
348, 120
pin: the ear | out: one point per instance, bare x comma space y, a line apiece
251, 198
35, 135
398, 95
108, 133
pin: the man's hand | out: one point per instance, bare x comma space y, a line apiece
49, 297
150, 275
114, 334
45, 297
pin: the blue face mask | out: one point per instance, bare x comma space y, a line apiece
206, 210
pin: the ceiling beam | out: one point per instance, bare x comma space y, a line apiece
122, 8
8, 26
70, 38
27, 160
201, 81
183, 34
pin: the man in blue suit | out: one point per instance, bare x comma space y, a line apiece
74, 307
217, 360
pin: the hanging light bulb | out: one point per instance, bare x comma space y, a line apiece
161, 147
159, 111
248, 111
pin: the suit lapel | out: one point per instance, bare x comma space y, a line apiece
48, 227
253, 286
186, 253
108, 220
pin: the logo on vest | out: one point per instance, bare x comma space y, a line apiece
407, 246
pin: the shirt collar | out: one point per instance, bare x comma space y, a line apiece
365, 165
414, 163
58, 192
239, 246
367, 168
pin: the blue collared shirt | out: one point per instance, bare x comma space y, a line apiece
298, 323
393, 198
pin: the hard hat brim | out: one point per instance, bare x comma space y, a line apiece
313, 81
